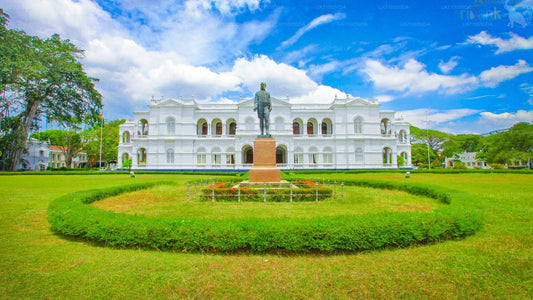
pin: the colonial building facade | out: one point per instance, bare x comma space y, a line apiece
182, 134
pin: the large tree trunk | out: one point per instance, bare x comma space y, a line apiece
27, 118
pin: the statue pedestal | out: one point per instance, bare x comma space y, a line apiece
264, 169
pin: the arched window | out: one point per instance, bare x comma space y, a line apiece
327, 156
359, 156
143, 127
310, 128
232, 127
201, 157
281, 154
327, 128
170, 156
202, 127
247, 154
216, 157
358, 125
402, 137
171, 126
230, 156
216, 128
387, 156
296, 128
386, 127
41, 153
141, 156
298, 156
126, 137
125, 157
313, 156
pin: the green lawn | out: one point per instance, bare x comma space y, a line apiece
494, 263
171, 201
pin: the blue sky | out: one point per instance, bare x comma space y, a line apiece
467, 64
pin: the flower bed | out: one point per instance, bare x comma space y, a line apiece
305, 191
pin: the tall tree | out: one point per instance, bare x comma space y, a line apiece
110, 139
42, 77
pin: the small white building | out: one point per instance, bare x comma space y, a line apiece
36, 156
182, 134
468, 158
57, 158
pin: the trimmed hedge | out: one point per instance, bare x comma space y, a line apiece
71, 216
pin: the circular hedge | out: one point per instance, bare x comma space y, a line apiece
70, 215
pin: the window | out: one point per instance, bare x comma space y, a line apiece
143, 127
218, 129
141, 156
313, 156
358, 125
310, 128
201, 159
232, 128
41, 153
170, 156
230, 159
126, 137
386, 127
171, 126
216, 158
327, 156
387, 156
298, 157
296, 128
402, 137
202, 127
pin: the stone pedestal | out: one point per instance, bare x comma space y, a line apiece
264, 169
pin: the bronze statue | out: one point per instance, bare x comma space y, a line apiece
263, 106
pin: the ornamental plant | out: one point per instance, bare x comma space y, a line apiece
226, 191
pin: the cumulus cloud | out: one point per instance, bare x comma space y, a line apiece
505, 119
515, 42
384, 98
321, 20
413, 78
417, 117
496, 75
446, 67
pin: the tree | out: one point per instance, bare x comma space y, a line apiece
109, 142
461, 143
69, 141
40, 77
436, 141
510, 147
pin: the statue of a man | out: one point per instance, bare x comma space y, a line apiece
263, 106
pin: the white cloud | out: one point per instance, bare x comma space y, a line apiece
322, 94
384, 98
413, 78
321, 20
435, 118
496, 75
515, 42
504, 120
446, 67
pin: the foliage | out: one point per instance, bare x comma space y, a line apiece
70, 216
420, 138
40, 77
509, 147
305, 191
69, 141
110, 139
459, 165
400, 160
462, 143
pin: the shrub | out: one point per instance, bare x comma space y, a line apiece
70, 216
225, 191
496, 166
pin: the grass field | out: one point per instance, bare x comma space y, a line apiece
494, 263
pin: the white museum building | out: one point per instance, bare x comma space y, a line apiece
182, 134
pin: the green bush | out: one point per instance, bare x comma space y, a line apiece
71, 216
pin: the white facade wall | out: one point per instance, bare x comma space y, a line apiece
174, 138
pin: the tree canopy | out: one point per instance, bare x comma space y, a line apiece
39, 77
